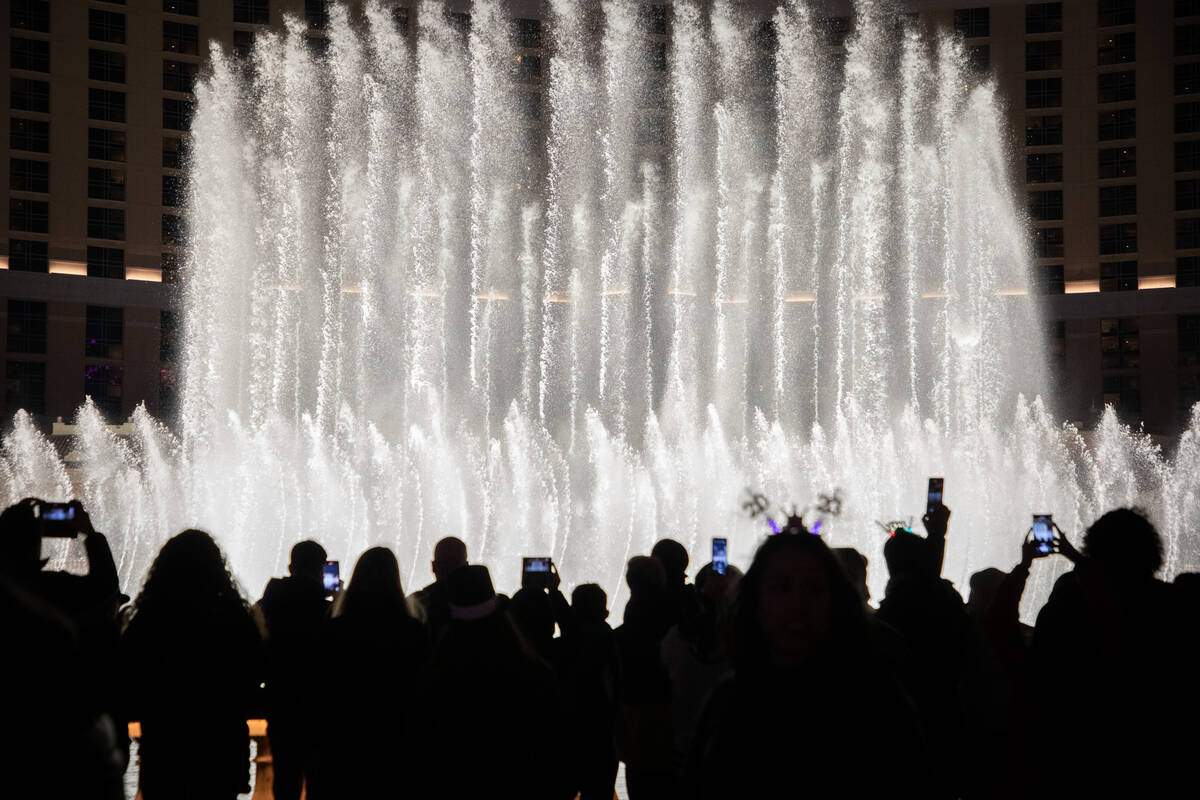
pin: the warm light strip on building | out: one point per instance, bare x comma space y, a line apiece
3, 262
352, 290
681, 292
800, 297
935, 295
557, 298
1011, 292
1082, 287
58, 267
492, 296
1156, 282
735, 301
147, 274
613, 292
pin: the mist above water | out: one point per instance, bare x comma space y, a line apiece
419, 302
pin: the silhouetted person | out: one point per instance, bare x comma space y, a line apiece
674, 558
811, 709
449, 554
89, 602
644, 732
495, 723
854, 564
1114, 666
372, 653
192, 666
293, 609
697, 653
589, 672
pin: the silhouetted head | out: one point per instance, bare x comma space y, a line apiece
188, 574
907, 556
308, 561
472, 596
20, 539
533, 615
854, 564
374, 586
674, 558
1123, 542
793, 602
717, 589
448, 555
589, 603
645, 576
984, 585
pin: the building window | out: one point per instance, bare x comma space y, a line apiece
102, 383
105, 262
526, 33
1049, 279
1118, 239
1043, 55
106, 65
173, 155
1119, 343
1187, 78
25, 255
25, 175
530, 105
105, 223
185, 8
172, 190
1046, 205
106, 105
25, 387
169, 267
1118, 276
1116, 12
30, 54
1118, 201
172, 229
652, 19
1048, 242
1122, 393
1187, 40
1116, 48
972, 22
1189, 340
1187, 233
1116, 87
177, 114
243, 43
1044, 168
1118, 162
317, 13
27, 94
32, 135
106, 145
1042, 131
1187, 271
252, 12
527, 69
1187, 117
979, 58
26, 326
106, 184
32, 216
105, 332
106, 26
1120, 124
1187, 195
179, 37
400, 19
1043, 92
1043, 18
179, 76
30, 15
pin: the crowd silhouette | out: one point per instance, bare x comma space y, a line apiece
782, 681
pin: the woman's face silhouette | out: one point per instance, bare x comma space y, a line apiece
796, 606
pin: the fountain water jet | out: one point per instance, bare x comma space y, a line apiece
423, 299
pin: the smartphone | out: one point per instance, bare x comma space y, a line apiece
332, 576
1043, 532
58, 520
535, 572
934, 498
720, 557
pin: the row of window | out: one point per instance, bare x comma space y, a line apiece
1115, 201
33, 216
1048, 17
1120, 123
103, 183
33, 136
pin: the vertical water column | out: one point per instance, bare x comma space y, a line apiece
694, 215
865, 118
572, 240
439, 291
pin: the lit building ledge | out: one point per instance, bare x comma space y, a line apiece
3, 262
61, 267
152, 274
800, 297
1082, 287
1156, 282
